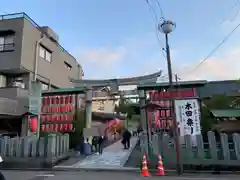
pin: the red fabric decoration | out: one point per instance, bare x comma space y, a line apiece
61, 127
53, 109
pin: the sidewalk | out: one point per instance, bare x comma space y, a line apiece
113, 156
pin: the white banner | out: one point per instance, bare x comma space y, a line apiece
188, 116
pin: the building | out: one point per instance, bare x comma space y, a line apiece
102, 102
31, 52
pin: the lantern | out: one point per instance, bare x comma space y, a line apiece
61, 99
42, 119
48, 100
65, 127
47, 128
66, 108
33, 124
53, 109
61, 127
60, 117
53, 100
55, 127
70, 108
70, 127
66, 99
70, 117
57, 100
70, 99
48, 109
51, 127
42, 128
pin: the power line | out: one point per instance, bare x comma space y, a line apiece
216, 48
161, 9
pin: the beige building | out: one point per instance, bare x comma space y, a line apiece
102, 102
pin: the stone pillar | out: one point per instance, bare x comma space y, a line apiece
88, 113
24, 126
88, 99
143, 115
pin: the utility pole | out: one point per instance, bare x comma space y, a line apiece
167, 27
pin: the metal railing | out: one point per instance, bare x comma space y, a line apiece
7, 47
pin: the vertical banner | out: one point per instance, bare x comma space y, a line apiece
188, 117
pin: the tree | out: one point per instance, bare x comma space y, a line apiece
125, 106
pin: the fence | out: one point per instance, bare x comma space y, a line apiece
222, 151
31, 146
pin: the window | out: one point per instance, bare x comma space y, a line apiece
45, 53
3, 81
6, 43
67, 65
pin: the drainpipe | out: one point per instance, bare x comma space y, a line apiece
36, 57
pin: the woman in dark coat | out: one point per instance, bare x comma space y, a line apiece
126, 139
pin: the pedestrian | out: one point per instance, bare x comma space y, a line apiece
100, 144
126, 139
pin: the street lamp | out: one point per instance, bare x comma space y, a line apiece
167, 27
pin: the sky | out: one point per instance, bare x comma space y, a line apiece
118, 38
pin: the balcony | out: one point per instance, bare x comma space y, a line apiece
13, 93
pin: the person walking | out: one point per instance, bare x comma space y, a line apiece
126, 139
100, 144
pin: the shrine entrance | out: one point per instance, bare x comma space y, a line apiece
158, 118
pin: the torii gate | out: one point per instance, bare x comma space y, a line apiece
114, 89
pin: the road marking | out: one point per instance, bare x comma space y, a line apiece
45, 175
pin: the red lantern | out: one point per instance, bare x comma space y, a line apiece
53, 109
66, 108
53, 101
61, 99
51, 127
57, 100
33, 124
48, 100
60, 127
42, 119
70, 99
70, 127
48, 109
70, 108
47, 128
60, 117
56, 127
69, 118
66, 99
42, 128
65, 127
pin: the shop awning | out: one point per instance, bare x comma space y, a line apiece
227, 113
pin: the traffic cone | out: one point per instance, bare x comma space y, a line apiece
145, 172
160, 168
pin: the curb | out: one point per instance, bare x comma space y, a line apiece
169, 172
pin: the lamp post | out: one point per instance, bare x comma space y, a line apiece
167, 27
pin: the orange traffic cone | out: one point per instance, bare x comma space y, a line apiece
160, 168
145, 172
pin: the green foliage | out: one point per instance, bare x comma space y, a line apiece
219, 102
125, 106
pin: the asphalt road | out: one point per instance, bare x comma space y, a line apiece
27, 175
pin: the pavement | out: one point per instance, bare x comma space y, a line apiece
113, 157
62, 175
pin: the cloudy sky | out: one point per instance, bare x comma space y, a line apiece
117, 38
